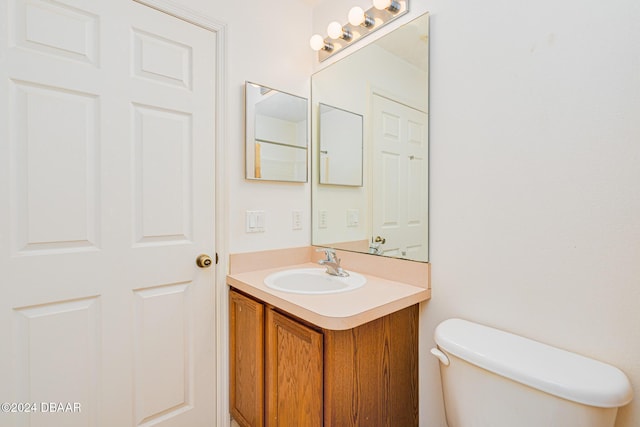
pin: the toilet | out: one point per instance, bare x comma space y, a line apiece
492, 378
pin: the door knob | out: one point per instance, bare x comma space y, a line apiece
380, 240
204, 261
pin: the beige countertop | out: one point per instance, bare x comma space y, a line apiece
339, 311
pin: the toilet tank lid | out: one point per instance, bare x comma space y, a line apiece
541, 366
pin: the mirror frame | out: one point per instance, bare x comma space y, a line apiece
251, 139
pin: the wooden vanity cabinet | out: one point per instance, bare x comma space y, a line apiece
308, 376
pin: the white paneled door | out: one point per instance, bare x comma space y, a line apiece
400, 177
107, 198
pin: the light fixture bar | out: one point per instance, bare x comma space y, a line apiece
377, 19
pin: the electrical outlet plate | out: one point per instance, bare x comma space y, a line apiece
296, 220
322, 219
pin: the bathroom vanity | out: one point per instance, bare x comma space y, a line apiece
350, 358
285, 371
345, 359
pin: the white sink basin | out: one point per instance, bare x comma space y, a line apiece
313, 281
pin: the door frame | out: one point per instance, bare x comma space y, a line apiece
223, 418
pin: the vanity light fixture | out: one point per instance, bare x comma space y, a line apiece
361, 23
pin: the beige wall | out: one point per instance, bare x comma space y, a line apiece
535, 178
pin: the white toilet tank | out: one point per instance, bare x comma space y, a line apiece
492, 378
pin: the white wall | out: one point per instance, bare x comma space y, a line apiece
535, 176
268, 44
535, 165
535, 183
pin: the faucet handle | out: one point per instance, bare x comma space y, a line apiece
332, 263
329, 252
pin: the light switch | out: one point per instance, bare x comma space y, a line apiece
255, 221
353, 217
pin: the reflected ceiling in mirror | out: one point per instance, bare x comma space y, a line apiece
276, 134
385, 82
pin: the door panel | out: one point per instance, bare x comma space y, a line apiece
162, 60
163, 351
52, 330
163, 210
107, 163
57, 29
55, 209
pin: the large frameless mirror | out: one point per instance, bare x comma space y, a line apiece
386, 84
276, 134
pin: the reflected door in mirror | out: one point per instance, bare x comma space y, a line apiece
401, 174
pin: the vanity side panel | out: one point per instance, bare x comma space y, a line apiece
404, 366
371, 372
246, 359
354, 361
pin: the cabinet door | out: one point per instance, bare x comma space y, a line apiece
294, 373
246, 359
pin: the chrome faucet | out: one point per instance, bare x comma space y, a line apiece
332, 262
375, 247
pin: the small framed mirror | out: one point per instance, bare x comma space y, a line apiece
340, 146
276, 133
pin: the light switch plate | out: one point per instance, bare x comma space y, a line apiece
353, 217
255, 221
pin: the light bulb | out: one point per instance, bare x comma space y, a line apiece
381, 4
334, 30
390, 5
316, 42
356, 16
